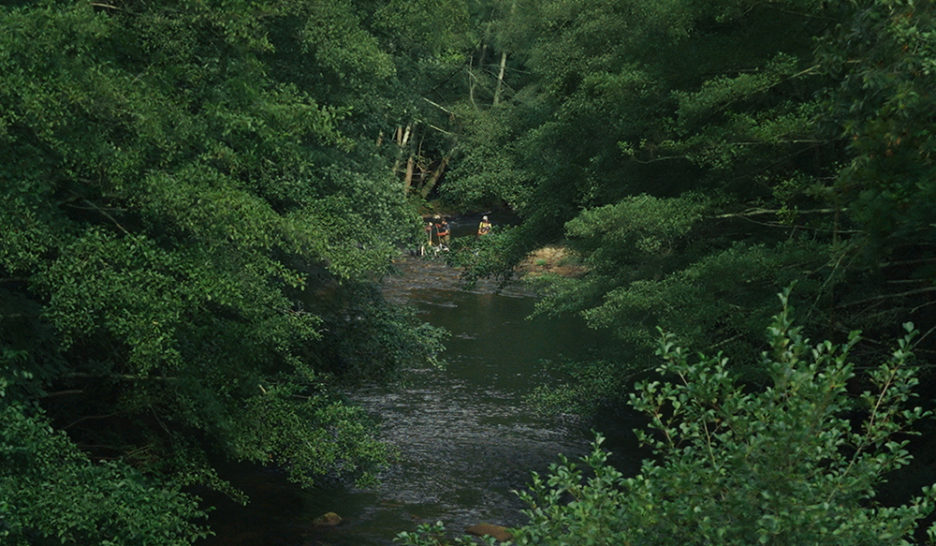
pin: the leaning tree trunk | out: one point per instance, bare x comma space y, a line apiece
436, 175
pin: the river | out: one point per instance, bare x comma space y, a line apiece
465, 437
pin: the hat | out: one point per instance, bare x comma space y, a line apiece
484, 217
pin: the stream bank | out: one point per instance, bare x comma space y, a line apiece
465, 437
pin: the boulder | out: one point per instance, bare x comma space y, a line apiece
489, 529
328, 519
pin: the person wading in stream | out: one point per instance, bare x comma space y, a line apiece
422, 248
442, 231
484, 227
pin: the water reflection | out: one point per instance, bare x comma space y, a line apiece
464, 435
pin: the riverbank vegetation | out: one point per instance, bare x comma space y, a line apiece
201, 197
700, 157
797, 462
736, 466
194, 217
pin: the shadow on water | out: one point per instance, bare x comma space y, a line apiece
465, 438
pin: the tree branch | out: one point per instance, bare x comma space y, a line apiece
107, 215
889, 296
62, 393
90, 418
122, 376
761, 212
440, 107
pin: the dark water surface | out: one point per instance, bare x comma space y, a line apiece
464, 436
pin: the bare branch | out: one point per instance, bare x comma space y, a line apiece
121, 376
62, 393
761, 212
890, 296
107, 215
440, 107
90, 418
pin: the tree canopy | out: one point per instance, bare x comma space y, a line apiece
194, 218
700, 156
200, 199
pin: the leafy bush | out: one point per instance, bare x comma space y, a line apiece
783, 465
795, 463
432, 534
52, 493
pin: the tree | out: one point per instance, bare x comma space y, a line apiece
700, 156
186, 269
662, 142
52, 492
880, 58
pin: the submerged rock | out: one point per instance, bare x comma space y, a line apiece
328, 519
489, 529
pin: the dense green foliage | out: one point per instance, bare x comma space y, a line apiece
194, 217
790, 464
794, 463
699, 156
200, 197
51, 492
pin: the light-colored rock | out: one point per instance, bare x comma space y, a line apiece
555, 260
489, 529
328, 519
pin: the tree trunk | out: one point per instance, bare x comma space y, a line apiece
500, 78
481, 56
408, 180
503, 62
402, 138
471, 84
436, 175
406, 135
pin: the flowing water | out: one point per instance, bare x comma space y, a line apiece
465, 437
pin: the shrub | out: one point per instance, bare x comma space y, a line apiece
784, 465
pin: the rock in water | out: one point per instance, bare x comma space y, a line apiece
488, 529
328, 519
